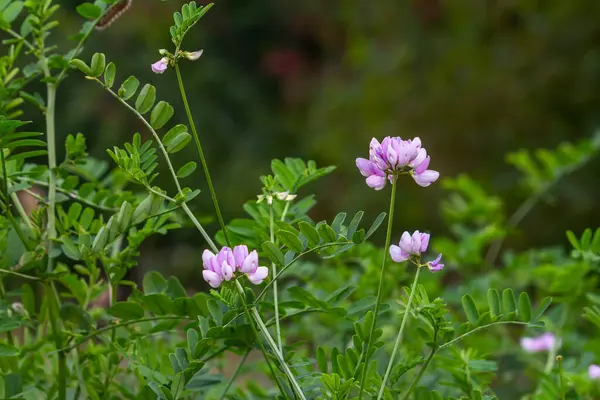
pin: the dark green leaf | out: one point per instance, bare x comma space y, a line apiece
291, 241
470, 309
145, 99
161, 114
128, 88
310, 233
89, 11
272, 251
126, 310
524, 307
109, 75
187, 169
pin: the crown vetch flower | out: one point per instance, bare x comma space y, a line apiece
393, 156
227, 262
594, 371
537, 344
412, 246
160, 66
193, 55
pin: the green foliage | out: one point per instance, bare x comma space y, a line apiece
312, 318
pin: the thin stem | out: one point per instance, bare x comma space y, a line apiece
284, 366
255, 331
170, 166
479, 328
21, 38
53, 307
20, 209
50, 135
235, 374
415, 381
17, 274
70, 194
514, 220
388, 237
561, 378
400, 333
121, 324
275, 291
211, 188
317, 248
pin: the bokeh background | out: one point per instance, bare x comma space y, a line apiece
317, 79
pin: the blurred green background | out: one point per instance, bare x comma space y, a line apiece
474, 79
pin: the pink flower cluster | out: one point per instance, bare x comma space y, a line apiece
412, 246
226, 263
392, 156
537, 344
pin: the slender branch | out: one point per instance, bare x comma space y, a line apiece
388, 237
400, 333
514, 220
121, 324
20, 209
170, 166
479, 328
211, 188
71, 194
19, 275
266, 334
317, 248
275, 291
235, 374
20, 38
415, 381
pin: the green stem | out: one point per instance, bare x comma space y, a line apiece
317, 248
400, 333
479, 328
380, 288
275, 291
20, 209
211, 188
17, 274
235, 374
561, 378
72, 194
53, 315
255, 331
50, 135
170, 166
415, 382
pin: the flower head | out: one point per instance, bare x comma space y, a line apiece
537, 344
393, 156
410, 245
228, 263
594, 371
160, 66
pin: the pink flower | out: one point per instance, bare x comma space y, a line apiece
594, 371
393, 156
537, 344
160, 66
228, 263
409, 246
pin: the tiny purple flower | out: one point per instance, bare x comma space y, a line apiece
537, 344
594, 371
436, 265
160, 66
